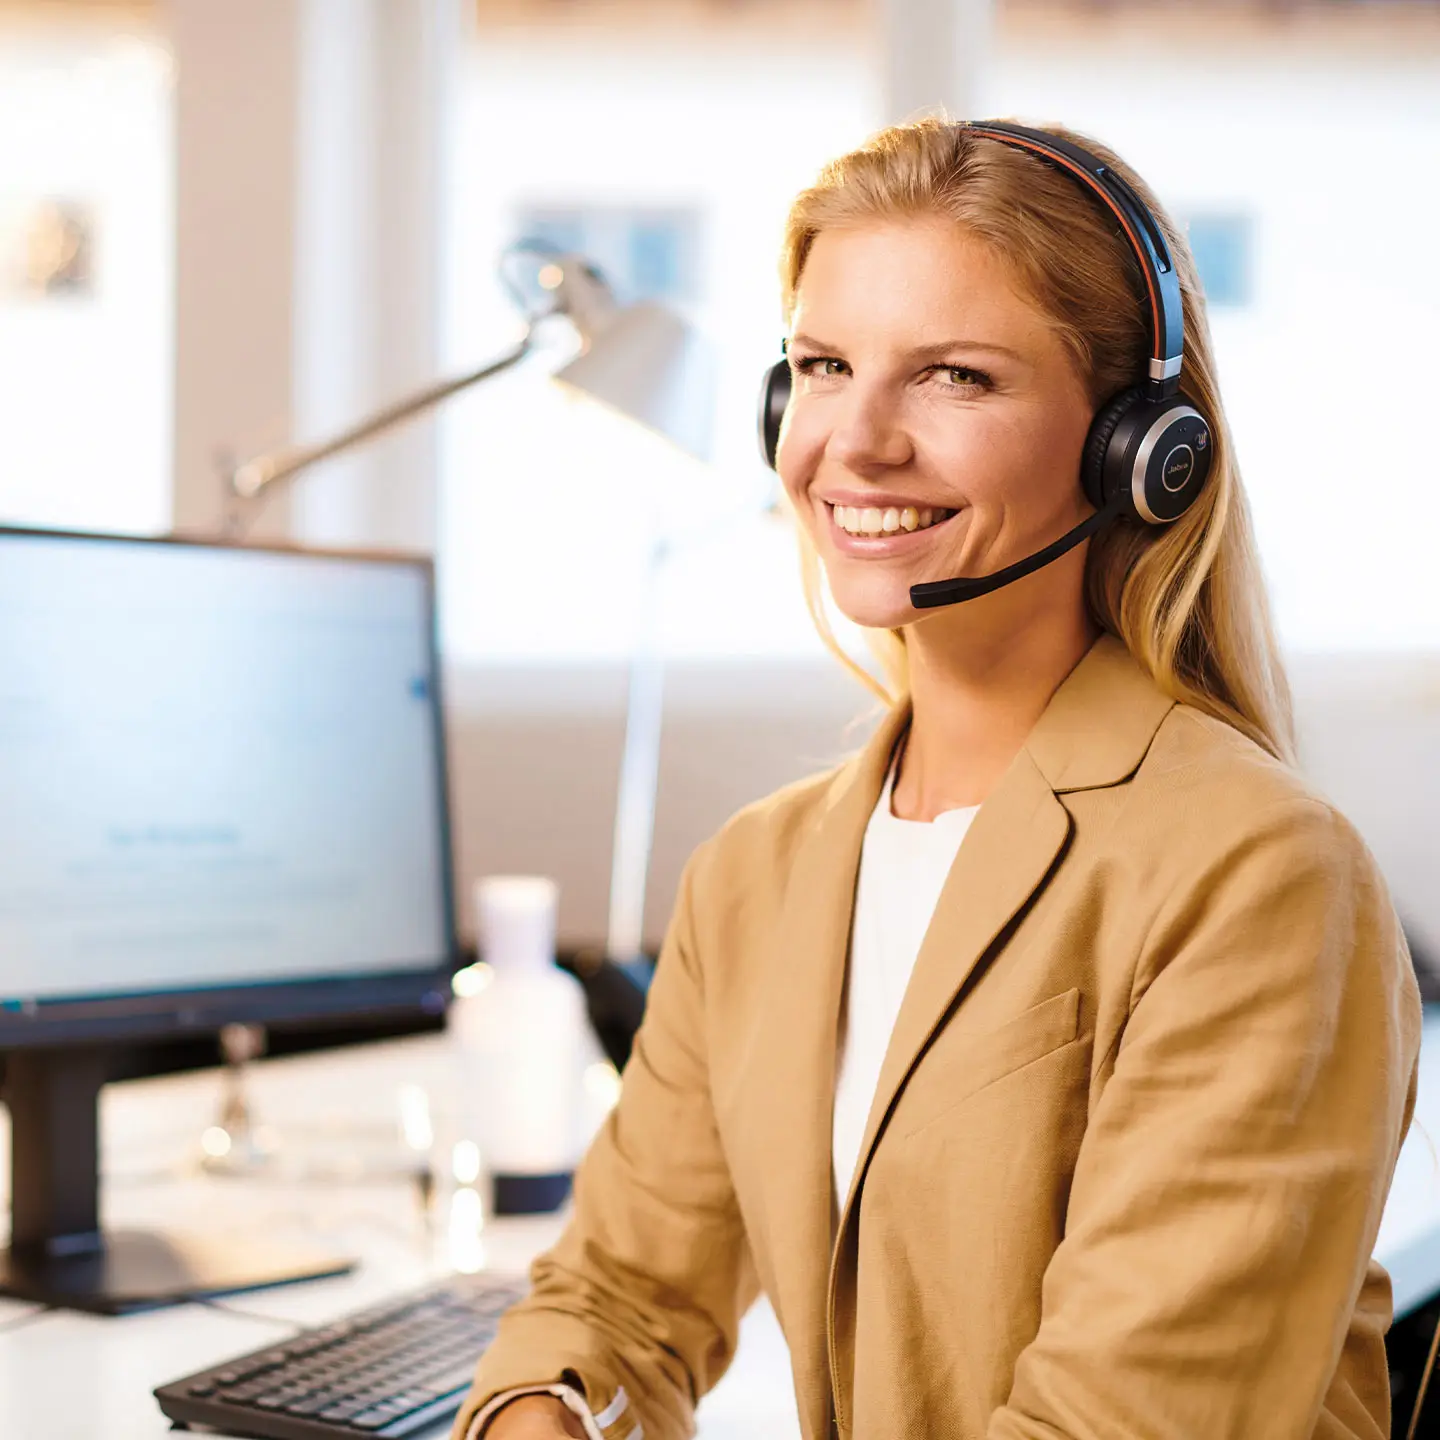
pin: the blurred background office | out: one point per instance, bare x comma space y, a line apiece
225, 226
228, 225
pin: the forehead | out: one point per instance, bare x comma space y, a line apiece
927, 279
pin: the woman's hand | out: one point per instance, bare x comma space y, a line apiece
535, 1417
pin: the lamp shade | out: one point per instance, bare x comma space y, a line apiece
646, 362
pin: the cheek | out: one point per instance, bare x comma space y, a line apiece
797, 457
1029, 461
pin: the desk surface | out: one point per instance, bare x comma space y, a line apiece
67, 1376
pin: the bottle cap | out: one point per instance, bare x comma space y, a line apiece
515, 920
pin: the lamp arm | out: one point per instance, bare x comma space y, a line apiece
254, 476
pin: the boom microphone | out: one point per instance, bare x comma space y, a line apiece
935, 593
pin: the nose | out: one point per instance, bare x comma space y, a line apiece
868, 434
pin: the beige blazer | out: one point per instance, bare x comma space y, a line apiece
1132, 1138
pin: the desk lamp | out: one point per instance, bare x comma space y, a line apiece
645, 362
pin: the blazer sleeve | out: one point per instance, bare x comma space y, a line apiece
1230, 1185
638, 1305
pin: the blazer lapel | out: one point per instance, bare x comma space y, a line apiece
1094, 732
1009, 850
792, 1080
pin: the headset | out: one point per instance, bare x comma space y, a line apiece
1148, 452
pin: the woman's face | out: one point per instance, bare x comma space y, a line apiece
937, 420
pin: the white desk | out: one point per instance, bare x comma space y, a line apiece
73, 1377
68, 1376
1409, 1242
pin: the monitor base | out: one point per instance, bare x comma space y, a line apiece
142, 1270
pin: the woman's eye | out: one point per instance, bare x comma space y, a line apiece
824, 366
961, 377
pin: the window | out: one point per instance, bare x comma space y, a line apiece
1222, 245
646, 254
85, 274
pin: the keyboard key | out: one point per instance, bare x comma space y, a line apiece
455, 1378
344, 1410
237, 1374
310, 1405
244, 1394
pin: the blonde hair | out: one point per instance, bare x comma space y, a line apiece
1188, 600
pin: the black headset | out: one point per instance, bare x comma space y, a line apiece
1148, 452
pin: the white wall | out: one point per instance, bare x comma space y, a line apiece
1322, 131
1329, 131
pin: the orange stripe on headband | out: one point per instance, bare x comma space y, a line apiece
1004, 137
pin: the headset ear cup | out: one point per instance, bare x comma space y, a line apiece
774, 397
1172, 455
1155, 459
1097, 444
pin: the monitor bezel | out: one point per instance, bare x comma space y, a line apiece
405, 990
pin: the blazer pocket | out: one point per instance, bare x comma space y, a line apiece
957, 1066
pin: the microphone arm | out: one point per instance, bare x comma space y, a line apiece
935, 593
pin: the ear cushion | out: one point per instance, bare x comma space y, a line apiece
1102, 429
774, 397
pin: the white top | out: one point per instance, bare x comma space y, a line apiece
903, 865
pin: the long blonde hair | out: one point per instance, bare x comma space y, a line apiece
1188, 600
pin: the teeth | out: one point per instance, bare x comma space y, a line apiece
871, 520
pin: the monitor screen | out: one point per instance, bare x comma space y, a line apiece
222, 786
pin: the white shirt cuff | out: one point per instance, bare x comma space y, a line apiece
573, 1401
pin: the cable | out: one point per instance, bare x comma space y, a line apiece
18, 1322
1424, 1385
291, 1327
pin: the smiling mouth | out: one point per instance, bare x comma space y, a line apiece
876, 521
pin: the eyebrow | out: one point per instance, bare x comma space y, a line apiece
922, 352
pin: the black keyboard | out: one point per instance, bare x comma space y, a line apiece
390, 1370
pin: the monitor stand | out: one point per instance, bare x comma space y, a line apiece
58, 1254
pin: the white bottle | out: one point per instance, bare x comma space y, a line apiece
523, 1040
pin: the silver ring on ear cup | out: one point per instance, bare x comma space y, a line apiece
1171, 460
1153, 456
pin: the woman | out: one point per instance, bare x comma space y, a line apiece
1083, 1127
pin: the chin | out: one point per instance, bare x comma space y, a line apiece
875, 606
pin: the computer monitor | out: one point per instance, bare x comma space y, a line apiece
222, 799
